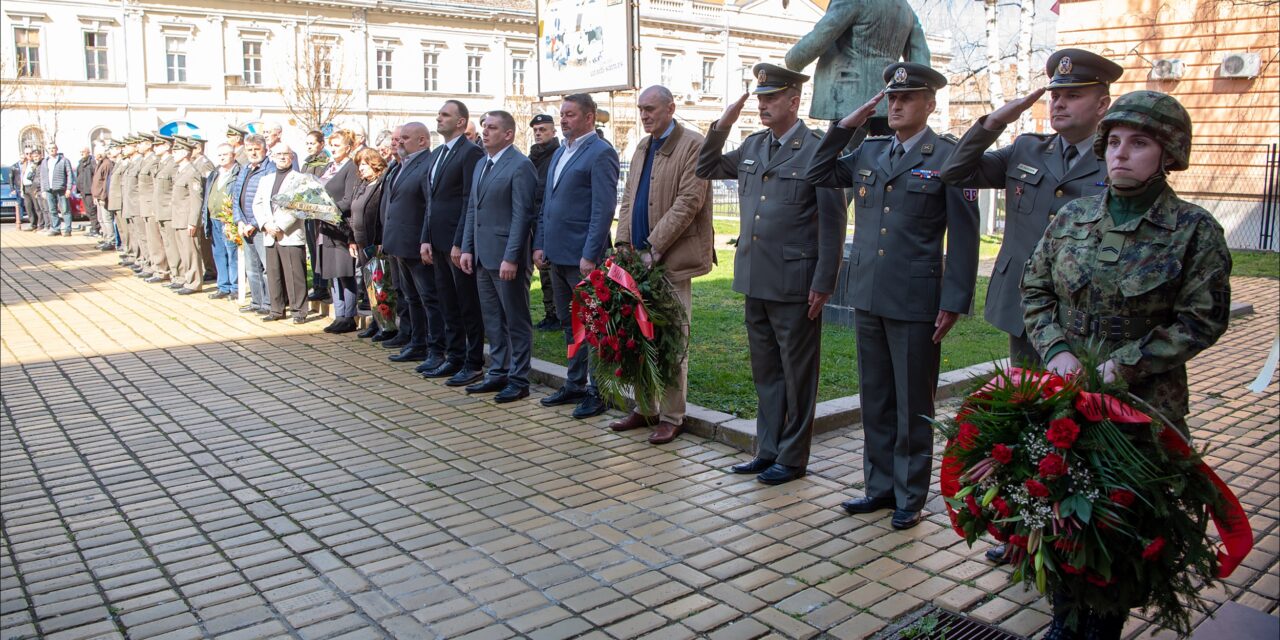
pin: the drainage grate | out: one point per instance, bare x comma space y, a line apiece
932, 623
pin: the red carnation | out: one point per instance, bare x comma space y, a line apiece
1063, 432
1018, 541
382, 296
1097, 580
1052, 466
384, 310
1001, 507
967, 436
603, 294
631, 343
618, 372
597, 278
1002, 454
996, 532
1036, 490
1069, 569
1066, 545
973, 506
626, 311
377, 276
1153, 550
1122, 497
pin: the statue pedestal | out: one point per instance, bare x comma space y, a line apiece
839, 309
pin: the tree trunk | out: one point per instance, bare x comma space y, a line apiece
1026, 22
995, 91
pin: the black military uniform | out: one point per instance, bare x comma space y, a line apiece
1038, 178
900, 281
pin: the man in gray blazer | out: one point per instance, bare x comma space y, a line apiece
786, 265
495, 248
907, 294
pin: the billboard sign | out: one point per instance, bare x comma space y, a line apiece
585, 46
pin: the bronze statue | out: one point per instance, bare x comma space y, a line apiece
853, 43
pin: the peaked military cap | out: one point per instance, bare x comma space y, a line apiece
1079, 68
147, 138
233, 130
770, 78
912, 76
542, 118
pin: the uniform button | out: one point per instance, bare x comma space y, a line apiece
766, 178
761, 198
1058, 193
757, 216
886, 209
1024, 176
754, 237
884, 231
889, 188
881, 252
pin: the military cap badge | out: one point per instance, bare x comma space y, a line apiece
1064, 65
900, 75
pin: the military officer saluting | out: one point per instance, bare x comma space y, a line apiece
1039, 173
787, 260
906, 295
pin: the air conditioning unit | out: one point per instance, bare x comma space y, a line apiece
232, 79
1166, 69
1240, 65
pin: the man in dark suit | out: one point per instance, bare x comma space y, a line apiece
907, 294
451, 169
495, 247
404, 207
544, 148
787, 261
573, 231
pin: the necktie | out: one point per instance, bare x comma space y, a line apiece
896, 154
1072, 154
488, 164
773, 147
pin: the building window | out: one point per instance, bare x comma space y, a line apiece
31, 138
252, 62
708, 74
473, 73
322, 58
384, 68
430, 71
175, 58
95, 55
517, 76
664, 69
100, 135
27, 54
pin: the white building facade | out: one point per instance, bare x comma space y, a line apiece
82, 70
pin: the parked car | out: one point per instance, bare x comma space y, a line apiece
8, 199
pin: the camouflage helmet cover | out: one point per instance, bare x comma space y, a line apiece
1159, 115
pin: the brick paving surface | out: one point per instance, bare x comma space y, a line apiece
171, 468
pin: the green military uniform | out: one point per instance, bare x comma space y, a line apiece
1150, 283
790, 244
156, 256
900, 280
188, 194
235, 138
133, 203
163, 184
115, 199
1038, 180
205, 167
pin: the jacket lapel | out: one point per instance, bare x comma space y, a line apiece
786, 151
1053, 158
403, 173
444, 163
577, 155
913, 157
1088, 165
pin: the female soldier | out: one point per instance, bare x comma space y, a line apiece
1134, 271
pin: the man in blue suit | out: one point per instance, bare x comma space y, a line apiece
404, 209
495, 247
573, 231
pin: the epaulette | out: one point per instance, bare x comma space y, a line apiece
760, 132
874, 138
949, 138
1036, 134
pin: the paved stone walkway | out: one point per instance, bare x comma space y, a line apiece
171, 468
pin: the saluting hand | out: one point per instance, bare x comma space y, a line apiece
1011, 111
860, 115
732, 112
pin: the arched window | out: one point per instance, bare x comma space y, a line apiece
99, 134
31, 137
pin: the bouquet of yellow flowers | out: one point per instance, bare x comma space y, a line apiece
226, 217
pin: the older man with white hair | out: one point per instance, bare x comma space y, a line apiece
286, 242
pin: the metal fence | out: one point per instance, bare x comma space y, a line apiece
1238, 183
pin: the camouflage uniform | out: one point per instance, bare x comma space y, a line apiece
1153, 292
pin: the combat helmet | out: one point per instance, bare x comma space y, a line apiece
1157, 114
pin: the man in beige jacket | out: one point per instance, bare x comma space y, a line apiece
666, 214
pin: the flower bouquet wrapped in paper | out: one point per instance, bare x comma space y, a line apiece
630, 314
304, 197
382, 296
1095, 499
223, 213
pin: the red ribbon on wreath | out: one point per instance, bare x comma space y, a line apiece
619, 275
1233, 525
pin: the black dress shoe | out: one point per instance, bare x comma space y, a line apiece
589, 406
445, 370
408, 354
218, 295
154, 279
329, 329
755, 466
145, 275
344, 325
780, 473
548, 324
511, 393
996, 555
383, 336
299, 319
563, 396
185, 291
432, 362
271, 317
316, 296
488, 385
867, 504
369, 332
464, 377
399, 341
905, 519
174, 285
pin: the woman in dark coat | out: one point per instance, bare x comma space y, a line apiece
314, 165
366, 213
337, 250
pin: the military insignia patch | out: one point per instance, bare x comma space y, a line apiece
1064, 65
862, 192
1017, 191
900, 75
971, 195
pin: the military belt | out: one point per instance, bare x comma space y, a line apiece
1087, 325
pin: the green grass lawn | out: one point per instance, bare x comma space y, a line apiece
1263, 264
719, 359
